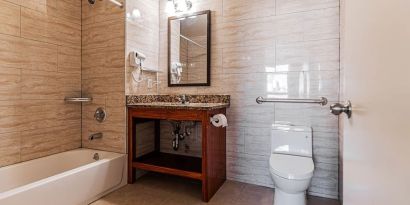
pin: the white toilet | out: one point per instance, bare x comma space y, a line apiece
291, 164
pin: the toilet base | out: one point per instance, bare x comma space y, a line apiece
283, 198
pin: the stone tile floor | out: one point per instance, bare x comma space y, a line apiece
156, 189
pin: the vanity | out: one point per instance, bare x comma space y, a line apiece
209, 167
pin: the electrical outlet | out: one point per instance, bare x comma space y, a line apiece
149, 83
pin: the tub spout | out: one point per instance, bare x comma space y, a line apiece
95, 136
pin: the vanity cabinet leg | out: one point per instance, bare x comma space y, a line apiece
131, 149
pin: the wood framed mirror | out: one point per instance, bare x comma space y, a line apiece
189, 49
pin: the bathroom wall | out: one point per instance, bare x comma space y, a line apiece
282, 48
103, 74
40, 64
142, 34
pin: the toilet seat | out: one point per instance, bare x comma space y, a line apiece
291, 167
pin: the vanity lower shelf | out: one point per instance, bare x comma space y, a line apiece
173, 164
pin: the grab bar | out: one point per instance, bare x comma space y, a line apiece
78, 99
323, 101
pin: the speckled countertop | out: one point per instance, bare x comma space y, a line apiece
196, 102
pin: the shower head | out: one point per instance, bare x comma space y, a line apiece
91, 1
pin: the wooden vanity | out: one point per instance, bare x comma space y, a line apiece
210, 169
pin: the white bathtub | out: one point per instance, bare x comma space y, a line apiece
68, 178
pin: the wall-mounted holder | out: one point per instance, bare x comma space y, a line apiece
219, 120
70, 99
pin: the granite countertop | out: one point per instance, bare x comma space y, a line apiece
196, 102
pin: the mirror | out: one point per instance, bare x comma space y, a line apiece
189, 46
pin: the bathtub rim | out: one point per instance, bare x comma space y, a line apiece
29, 186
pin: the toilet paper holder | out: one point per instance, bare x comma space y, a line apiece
215, 120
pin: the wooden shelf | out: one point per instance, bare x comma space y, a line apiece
173, 164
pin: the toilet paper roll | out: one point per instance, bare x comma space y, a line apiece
219, 120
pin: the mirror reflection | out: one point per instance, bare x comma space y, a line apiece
189, 46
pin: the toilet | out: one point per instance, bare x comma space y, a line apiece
291, 164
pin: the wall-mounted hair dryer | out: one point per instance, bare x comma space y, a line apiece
136, 58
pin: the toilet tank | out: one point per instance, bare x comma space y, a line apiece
292, 140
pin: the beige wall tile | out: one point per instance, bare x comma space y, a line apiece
43, 142
67, 10
252, 32
10, 49
9, 148
103, 84
101, 11
38, 69
9, 18
103, 34
28, 54
10, 79
308, 56
10, 119
99, 61
293, 6
245, 59
36, 55
235, 10
46, 28
49, 85
45, 113
69, 59
103, 74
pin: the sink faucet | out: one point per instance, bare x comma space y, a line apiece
183, 99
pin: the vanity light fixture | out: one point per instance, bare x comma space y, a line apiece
178, 6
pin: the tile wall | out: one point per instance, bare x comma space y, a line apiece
142, 34
282, 48
103, 74
40, 64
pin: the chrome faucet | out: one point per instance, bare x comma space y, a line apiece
183, 99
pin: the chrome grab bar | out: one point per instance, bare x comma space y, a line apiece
322, 101
78, 99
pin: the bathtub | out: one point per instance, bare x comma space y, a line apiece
68, 178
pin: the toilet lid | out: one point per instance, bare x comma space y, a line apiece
291, 167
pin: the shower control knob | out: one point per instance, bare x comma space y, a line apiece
338, 108
100, 114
